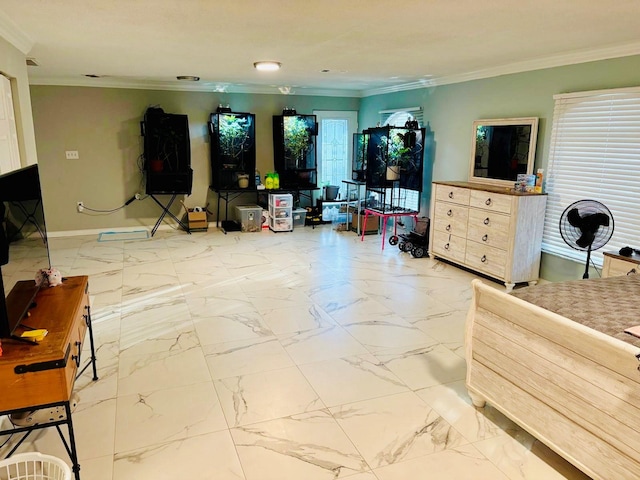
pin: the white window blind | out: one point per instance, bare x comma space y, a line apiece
595, 154
397, 117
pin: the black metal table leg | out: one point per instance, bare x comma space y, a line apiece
165, 211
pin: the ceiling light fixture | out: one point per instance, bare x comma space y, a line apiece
188, 78
267, 66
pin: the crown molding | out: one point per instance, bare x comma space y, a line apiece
518, 67
211, 87
14, 35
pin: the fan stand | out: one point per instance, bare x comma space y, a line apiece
586, 265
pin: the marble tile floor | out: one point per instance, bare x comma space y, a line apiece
259, 356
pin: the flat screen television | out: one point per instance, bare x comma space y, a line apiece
23, 243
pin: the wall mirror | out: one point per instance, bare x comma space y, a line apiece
501, 149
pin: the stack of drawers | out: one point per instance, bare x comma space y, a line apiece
488, 229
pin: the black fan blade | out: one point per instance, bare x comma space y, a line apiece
586, 238
574, 217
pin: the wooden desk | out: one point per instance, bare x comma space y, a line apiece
42, 376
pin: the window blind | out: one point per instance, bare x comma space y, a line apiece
397, 117
595, 154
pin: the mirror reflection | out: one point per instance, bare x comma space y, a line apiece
502, 149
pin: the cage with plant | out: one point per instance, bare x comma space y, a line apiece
294, 148
394, 168
233, 152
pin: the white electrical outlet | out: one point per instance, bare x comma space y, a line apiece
80, 206
72, 155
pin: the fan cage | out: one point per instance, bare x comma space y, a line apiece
570, 234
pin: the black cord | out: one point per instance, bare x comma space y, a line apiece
10, 435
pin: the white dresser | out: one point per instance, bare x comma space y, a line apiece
488, 229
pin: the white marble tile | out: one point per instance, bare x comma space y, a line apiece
264, 396
380, 334
310, 446
243, 357
297, 318
395, 428
222, 301
94, 430
275, 298
446, 327
162, 416
421, 367
351, 379
453, 403
320, 344
456, 463
206, 457
100, 468
525, 458
230, 327
147, 373
157, 336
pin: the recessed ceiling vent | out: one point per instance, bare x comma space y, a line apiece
31, 62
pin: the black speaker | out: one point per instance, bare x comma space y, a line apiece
167, 152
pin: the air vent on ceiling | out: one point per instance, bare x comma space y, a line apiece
31, 62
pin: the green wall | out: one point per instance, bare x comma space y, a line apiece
103, 125
451, 109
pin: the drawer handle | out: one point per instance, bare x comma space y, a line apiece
449, 213
485, 237
448, 228
450, 194
76, 358
446, 247
488, 202
631, 272
484, 259
486, 221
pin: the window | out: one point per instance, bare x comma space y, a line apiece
595, 154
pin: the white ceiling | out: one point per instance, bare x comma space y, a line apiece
368, 46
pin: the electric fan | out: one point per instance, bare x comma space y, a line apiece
586, 225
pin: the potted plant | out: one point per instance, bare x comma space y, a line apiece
235, 140
393, 154
297, 140
167, 139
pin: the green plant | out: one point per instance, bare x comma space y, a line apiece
297, 139
235, 138
167, 138
392, 151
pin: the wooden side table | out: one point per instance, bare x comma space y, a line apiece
39, 376
616, 265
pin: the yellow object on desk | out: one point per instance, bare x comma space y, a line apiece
35, 335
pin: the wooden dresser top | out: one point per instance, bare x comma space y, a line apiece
487, 188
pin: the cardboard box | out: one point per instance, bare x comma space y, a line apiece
196, 220
372, 223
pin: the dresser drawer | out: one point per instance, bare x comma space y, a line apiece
489, 228
486, 259
451, 218
495, 202
450, 194
449, 246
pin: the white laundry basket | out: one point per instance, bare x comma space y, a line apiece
34, 466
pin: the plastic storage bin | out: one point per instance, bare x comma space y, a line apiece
249, 217
34, 466
299, 217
